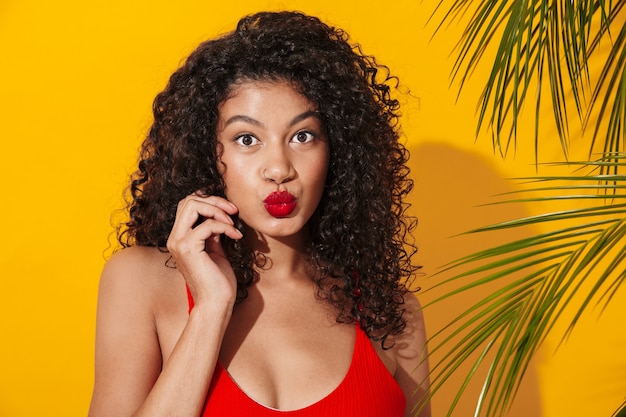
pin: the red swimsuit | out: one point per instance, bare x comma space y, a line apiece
367, 390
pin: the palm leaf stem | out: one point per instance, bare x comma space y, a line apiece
565, 198
621, 411
500, 274
537, 240
575, 214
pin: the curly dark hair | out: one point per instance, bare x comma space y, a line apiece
361, 245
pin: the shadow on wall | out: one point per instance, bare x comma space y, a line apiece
450, 184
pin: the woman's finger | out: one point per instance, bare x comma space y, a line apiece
191, 209
217, 201
210, 227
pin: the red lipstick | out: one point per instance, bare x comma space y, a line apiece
280, 203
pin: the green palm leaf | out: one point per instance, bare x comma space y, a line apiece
580, 262
544, 44
541, 46
611, 88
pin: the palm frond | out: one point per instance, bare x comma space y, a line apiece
559, 274
541, 44
610, 88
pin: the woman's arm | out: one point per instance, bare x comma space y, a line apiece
131, 379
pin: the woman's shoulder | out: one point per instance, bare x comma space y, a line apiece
141, 273
139, 262
138, 255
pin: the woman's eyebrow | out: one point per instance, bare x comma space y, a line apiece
248, 119
304, 116
242, 118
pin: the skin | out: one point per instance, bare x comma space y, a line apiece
282, 344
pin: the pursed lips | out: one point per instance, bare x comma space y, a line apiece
280, 203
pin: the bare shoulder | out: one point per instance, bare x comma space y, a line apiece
140, 285
136, 262
137, 288
411, 357
140, 272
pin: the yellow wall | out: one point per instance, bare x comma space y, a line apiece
76, 83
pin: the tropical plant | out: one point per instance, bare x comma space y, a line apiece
541, 46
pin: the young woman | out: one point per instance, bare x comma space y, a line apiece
266, 256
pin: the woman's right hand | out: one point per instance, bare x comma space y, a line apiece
133, 377
197, 251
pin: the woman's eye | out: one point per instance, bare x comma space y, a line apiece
303, 137
246, 140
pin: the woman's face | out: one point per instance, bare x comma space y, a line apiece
274, 156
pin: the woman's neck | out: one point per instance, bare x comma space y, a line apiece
286, 258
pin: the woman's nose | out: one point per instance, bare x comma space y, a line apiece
277, 165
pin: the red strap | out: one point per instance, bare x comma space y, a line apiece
189, 298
